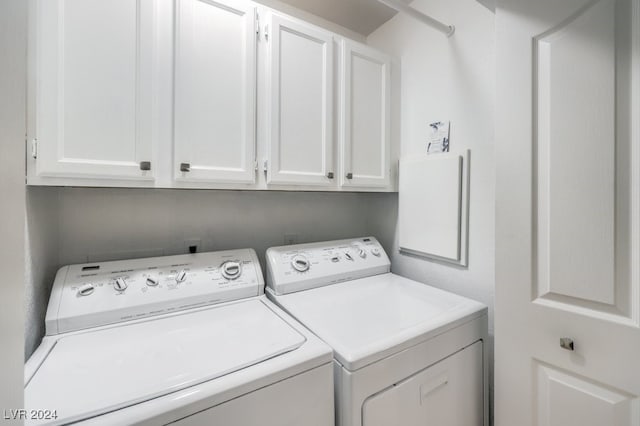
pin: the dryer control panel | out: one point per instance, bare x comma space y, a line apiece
306, 266
95, 294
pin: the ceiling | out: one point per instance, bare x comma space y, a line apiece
361, 16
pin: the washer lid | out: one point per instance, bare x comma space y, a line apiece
91, 373
369, 319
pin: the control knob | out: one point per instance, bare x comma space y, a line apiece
152, 281
86, 289
231, 269
181, 276
120, 284
300, 263
362, 253
375, 251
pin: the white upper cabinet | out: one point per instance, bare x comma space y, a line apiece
365, 121
93, 92
215, 91
300, 147
202, 94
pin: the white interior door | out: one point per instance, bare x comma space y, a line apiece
94, 85
568, 213
365, 121
215, 91
301, 104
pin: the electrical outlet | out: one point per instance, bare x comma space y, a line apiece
291, 239
191, 243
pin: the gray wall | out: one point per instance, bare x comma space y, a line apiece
447, 79
77, 225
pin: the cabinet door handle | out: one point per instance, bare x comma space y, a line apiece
349, 175
145, 165
330, 175
566, 343
185, 167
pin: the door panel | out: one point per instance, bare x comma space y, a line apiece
365, 116
576, 161
301, 88
568, 212
93, 108
447, 393
215, 79
565, 399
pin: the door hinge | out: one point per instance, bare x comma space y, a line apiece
34, 148
265, 165
257, 26
266, 32
255, 165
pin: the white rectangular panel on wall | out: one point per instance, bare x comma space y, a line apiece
365, 131
433, 206
215, 91
301, 104
94, 88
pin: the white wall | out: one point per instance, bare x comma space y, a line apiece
13, 15
77, 225
447, 79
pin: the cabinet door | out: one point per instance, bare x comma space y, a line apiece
365, 120
301, 104
94, 88
215, 81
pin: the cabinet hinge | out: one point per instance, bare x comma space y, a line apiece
34, 148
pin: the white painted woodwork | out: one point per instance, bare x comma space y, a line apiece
576, 156
365, 120
447, 393
217, 84
568, 212
301, 103
565, 399
432, 206
215, 90
95, 88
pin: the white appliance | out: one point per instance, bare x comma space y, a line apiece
189, 339
405, 353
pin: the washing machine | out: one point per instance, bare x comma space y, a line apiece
187, 340
405, 353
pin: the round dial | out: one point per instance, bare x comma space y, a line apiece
231, 269
120, 284
362, 253
300, 263
375, 251
86, 289
181, 276
152, 281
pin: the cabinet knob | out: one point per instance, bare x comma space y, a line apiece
566, 343
145, 165
330, 175
349, 175
185, 167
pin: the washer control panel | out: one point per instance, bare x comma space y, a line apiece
96, 294
306, 266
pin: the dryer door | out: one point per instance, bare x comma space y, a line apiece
447, 393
